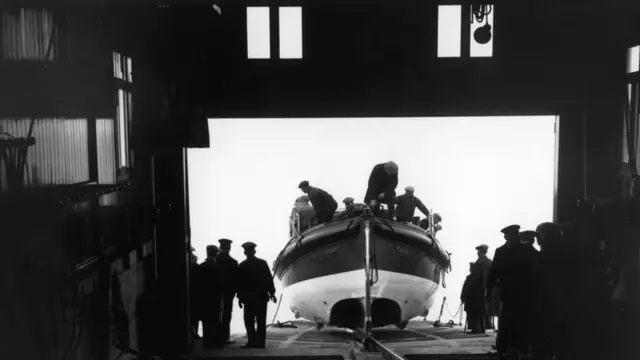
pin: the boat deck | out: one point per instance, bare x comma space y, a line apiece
420, 340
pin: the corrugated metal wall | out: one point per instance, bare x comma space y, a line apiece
60, 155
106, 143
26, 34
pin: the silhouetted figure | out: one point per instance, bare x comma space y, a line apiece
492, 307
196, 295
255, 288
553, 276
524, 267
228, 268
323, 203
406, 205
499, 278
302, 214
382, 187
473, 298
212, 300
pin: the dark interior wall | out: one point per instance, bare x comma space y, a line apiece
379, 58
375, 58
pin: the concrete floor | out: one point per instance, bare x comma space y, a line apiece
420, 337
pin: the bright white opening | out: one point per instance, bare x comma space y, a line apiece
122, 128
258, 33
633, 59
449, 30
482, 50
290, 32
243, 187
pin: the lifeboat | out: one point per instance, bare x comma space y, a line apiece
362, 271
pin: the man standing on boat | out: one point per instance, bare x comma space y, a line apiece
255, 288
382, 187
406, 205
323, 203
228, 268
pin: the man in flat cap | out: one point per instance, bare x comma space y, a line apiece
484, 265
302, 215
255, 288
554, 273
323, 203
228, 268
525, 267
473, 299
212, 300
406, 205
382, 187
500, 276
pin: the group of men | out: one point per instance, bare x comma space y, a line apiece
524, 287
216, 283
381, 190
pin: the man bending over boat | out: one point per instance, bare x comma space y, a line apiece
323, 203
406, 205
382, 187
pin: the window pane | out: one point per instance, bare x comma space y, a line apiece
122, 129
449, 30
258, 33
482, 50
633, 59
290, 33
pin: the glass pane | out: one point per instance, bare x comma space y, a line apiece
449, 30
633, 59
290, 33
482, 50
258, 33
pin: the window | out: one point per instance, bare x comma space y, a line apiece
122, 67
122, 72
258, 33
479, 23
633, 59
28, 34
124, 111
290, 32
449, 30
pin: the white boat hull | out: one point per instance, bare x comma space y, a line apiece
313, 299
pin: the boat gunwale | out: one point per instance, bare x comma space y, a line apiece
416, 236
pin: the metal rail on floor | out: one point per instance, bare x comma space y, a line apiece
365, 335
371, 344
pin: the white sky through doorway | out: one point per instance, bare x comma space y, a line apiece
479, 173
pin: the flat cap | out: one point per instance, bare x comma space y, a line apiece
249, 245
348, 200
225, 241
482, 247
510, 229
212, 249
304, 199
547, 227
391, 167
409, 189
303, 184
529, 234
